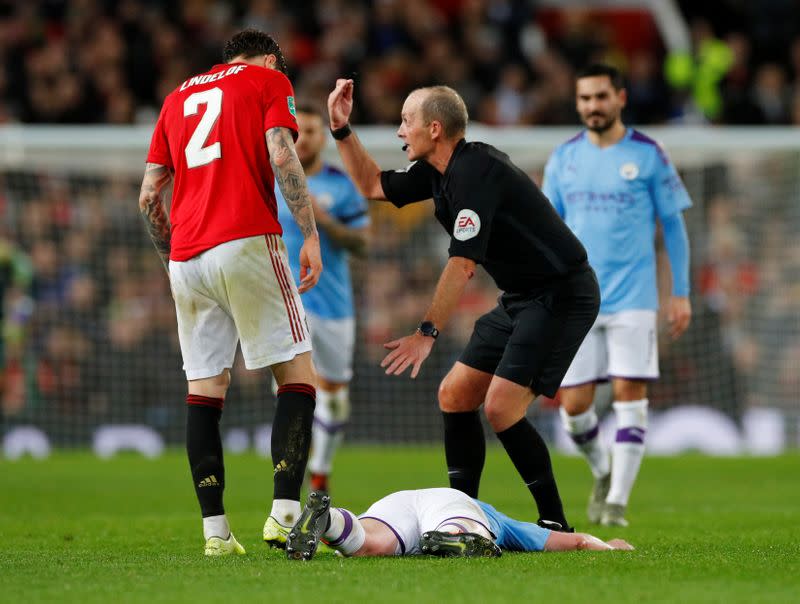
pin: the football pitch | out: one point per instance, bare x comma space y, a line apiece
78, 529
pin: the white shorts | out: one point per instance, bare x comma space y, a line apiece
619, 345
241, 290
333, 341
411, 513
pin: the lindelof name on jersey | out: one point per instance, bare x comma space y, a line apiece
212, 77
467, 225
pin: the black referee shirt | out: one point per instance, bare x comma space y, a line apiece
495, 215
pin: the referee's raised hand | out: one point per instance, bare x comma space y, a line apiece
340, 103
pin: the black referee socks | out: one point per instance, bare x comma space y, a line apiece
204, 447
529, 454
291, 438
464, 450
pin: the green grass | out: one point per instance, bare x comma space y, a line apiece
77, 529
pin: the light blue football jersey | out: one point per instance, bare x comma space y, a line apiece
611, 198
332, 296
514, 535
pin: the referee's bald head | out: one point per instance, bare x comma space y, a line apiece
444, 105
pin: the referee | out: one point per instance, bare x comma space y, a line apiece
498, 218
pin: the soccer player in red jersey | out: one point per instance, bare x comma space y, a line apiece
225, 137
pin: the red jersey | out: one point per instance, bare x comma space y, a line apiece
211, 134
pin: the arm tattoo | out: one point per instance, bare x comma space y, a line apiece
290, 178
156, 177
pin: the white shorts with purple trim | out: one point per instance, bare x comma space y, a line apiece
619, 345
410, 513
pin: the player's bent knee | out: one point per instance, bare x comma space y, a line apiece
454, 398
298, 370
506, 404
500, 415
574, 407
577, 399
629, 390
495, 414
213, 387
448, 401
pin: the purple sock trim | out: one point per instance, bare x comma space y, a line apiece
633, 434
396, 534
348, 528
585, 437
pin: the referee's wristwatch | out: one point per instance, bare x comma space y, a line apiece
427, 328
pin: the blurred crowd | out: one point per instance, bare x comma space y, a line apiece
102, 322
103, 61
749, 278
100, 344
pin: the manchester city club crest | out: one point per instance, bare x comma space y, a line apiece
629, 171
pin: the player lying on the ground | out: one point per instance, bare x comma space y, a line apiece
442, 522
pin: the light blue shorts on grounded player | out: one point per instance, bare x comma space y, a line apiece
514, 535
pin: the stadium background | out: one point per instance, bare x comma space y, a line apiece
89, 324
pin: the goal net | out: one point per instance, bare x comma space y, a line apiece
89, 327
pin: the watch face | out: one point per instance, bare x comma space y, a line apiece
426, 328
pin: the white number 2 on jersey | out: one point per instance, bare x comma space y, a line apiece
196, 153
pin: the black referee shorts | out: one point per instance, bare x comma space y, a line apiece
531, 339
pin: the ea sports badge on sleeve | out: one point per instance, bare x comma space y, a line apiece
290, 103
467, 225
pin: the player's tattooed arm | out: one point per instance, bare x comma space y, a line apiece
291, 179
151, 206
292, 182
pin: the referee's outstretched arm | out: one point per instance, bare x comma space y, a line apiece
411, 351
364, 171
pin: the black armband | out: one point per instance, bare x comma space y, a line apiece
341, 133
